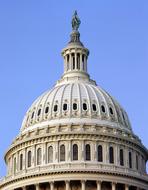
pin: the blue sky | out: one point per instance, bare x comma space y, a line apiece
32, 34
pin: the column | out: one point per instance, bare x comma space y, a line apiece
98, 185
24, 188
113, 186
37, 187
126, 187
51, 185
82, 185
67, 183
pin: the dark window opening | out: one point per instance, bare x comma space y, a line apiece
130, 160
39, 156
75, 152
29, 159
39, 112
111, 155
121, 158
87, 152
46, 109
73, 60
55, 109
67, 58
78, 61
103, 109
74, 106
100, 154
32, 115
84, 106
111, 111
50, 154
21, 161
137, 162
64, 107
62, 153
94, 107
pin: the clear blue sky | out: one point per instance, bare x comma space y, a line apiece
32, 34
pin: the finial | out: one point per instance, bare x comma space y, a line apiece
75, 21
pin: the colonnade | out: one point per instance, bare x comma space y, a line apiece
83, 186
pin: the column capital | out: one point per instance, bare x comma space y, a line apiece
99, 181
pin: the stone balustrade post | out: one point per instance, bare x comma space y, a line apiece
98, 185
82, 185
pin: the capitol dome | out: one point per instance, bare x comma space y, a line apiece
76, 102
76, 136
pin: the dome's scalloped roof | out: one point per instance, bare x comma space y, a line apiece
100, 107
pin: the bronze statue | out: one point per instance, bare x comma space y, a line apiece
75, 21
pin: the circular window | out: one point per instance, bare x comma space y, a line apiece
84, 106
111, 111
55, 109
39, 112
64, 107
94, 107
75, 107
103, 109
46, 109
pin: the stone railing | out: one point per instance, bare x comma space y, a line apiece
77, 166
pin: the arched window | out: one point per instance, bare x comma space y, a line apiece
111, 155
87, 152
29, 159
94, 107
130, 160
14, 165
121, 158
137, 165
39, 112
32, 115
100, 154
46, 109
55, 109
39, 156
65, 106
21, 161
50, 154
62, 152
75, 152
103, 109
84, 106
75, 107
111, 111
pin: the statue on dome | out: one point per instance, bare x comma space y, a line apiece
75, 21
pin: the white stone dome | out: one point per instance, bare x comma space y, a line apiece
75, 102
